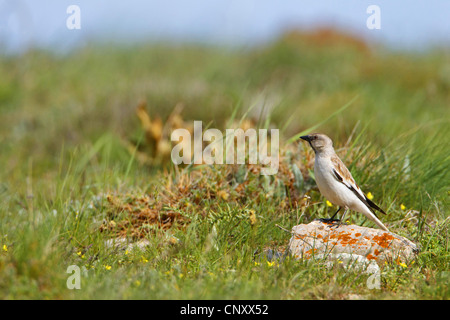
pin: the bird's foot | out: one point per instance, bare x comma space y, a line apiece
331, 222
328, 220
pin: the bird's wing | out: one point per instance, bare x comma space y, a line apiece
343, 175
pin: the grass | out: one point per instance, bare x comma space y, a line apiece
79, 168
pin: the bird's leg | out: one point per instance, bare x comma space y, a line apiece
342, 219
331, 220
334, 215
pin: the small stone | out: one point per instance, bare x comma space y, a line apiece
124, 244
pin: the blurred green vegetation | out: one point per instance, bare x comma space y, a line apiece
63, 120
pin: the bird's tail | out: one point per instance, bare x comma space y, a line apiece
379, 223
371, 216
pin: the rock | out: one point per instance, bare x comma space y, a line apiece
278, 254
349, 261
350, 245
124, 244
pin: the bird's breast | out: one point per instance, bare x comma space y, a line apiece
328, 186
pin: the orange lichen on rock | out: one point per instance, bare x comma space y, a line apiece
344, 238
311, 251
384, 240
370, 257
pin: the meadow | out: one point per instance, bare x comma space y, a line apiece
85, 158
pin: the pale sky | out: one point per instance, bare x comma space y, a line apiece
413, 24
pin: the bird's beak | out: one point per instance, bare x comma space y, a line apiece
306, 138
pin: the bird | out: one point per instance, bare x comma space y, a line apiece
336, 184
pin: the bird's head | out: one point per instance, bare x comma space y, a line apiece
319, 142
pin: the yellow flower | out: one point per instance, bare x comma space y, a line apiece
329, 203
137, 283
402, 206
144, 260
370, 196
253, 218
107, 267
271, 264
403, 264
223, 194
5, 248
256, 263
